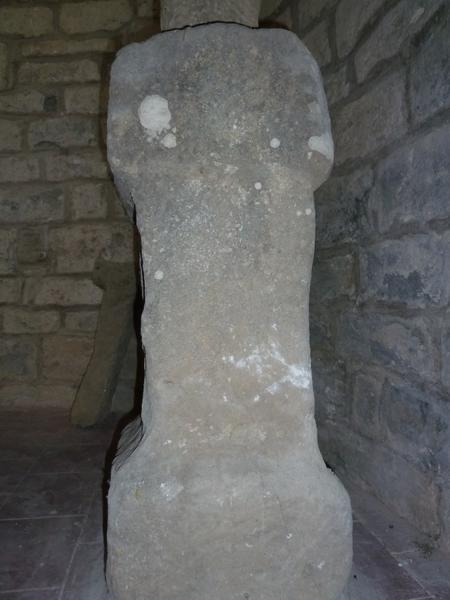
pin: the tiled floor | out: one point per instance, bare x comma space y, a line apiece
51, 522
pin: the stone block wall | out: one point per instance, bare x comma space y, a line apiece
58, 208
380, 327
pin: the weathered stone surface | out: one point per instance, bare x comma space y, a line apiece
8, 239
86, 165
94, 15
331, 391
65, 357
75, 71
10, 289
89, 201
36, 396
10, 136
225, 198
24, 102
175, 15
414, 271
31, 245
23, 320
14, 169
77, 247
115, 327
320, 332
398, 25
372, 121
36, 204
445, 352
308, 12
87, 99
332, 278
317, 43
367, 387
85, 320
3, 66
63, 132
61, 47
27, 21
430, 74
351, 18
403, 194
18, 356
337, 85
62, 291
398, 343
148, 8
341, 208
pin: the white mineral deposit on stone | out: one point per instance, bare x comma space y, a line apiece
323, 144
258, 185
299, 213
275, 143
154, 115
308, 211
159, 275
169, 141
171, 489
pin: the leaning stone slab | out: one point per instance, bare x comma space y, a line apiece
218, 135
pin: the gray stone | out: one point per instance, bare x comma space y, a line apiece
309, 11
61, 47
367, 386
402, 344
27, 21
10, 136
24, 102
320, 331
88, 165
231, 475
37, 204
3, 66
331, 391
397, 26
332, 278
32, 245
89, 201
430, 73
94, 15
10, 289
414, 271
175, 15
318, 44
74, 71
8, 238
341, 209
351, 18
86, 99
372, 121
18, 358
23, 320
411, 184
16, 169
62, 291
65, 357
63, 132
445, 352
85, 320
337, 85
114, 329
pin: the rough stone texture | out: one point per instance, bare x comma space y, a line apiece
337, 85
318, 44
34, 204
26, 21
114, 330
62, 291
3, 66
224, 468
86, 17
65, 357
351, 18
64, 132
175, 15
74, 71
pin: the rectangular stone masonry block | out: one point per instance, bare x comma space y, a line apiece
94, 15
66, 357
337, 85
398, 25
330, 391
89, 201
15, 169
75, 71
367, 387
31, 245
24, 102
10, 290
309, 11
62, 47
8, 238
36, 204
62, 291
84, 321
64, 132
430, 73
18, 356
88, 165
320, 325
56, 395
414, 271
77, 247
148, 8
412, 183
351, 18
372, 121
26, 21
3, 66
341, 209
23, 320
87, 99
10, 135
318, 44
402, 344
332, 278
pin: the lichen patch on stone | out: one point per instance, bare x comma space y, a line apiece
323, 144
154, 116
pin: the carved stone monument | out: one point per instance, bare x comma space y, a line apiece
218, 135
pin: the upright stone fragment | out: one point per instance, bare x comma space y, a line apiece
218, 136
